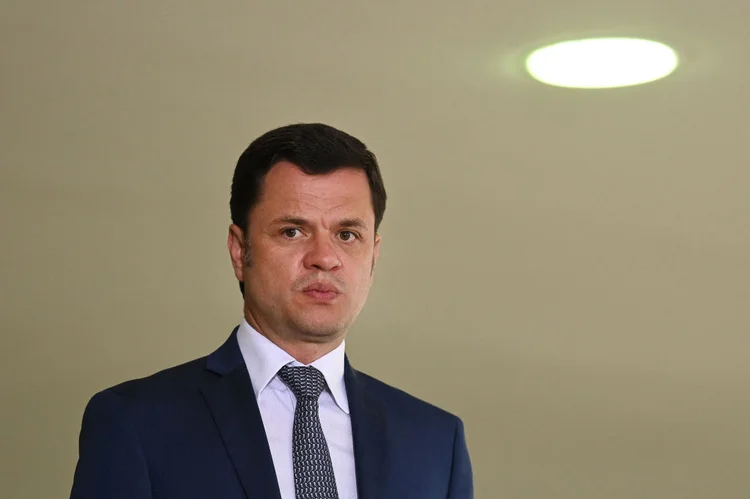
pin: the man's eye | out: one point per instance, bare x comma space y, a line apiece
290, 233
348, 235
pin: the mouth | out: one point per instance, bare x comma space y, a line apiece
321, 291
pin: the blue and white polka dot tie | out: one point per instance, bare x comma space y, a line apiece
313, 469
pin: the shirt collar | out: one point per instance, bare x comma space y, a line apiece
264, 359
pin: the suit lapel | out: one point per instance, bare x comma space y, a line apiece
230, 398
370, 434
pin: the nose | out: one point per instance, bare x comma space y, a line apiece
322, 255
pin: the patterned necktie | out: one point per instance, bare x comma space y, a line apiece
313, 469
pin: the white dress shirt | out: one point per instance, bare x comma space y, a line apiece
277, 403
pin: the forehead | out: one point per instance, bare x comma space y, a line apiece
345, 192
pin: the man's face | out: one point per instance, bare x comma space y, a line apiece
309, 255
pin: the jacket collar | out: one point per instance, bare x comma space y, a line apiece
230, 397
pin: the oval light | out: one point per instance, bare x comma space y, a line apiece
602, 63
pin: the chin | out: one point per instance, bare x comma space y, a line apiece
322, 327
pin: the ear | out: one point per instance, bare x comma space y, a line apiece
236, 246
376, 250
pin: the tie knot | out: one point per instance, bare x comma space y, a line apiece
303, 381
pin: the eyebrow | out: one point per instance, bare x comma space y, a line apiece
353, 223
350, 223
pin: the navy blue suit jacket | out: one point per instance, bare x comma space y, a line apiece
195, 431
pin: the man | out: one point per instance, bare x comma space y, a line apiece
278, 412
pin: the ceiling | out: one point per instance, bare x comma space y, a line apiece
566, 270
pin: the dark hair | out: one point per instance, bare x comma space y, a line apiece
313, 147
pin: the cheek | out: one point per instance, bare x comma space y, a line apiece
273, 268
277, 259
283, 270
363, 280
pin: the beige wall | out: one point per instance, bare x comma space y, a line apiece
567, 271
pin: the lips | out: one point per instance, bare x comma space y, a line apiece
321, 291
322, 287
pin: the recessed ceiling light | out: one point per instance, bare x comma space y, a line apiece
602, 63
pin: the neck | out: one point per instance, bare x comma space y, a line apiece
305, 353
303, 350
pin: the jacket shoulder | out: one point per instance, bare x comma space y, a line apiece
164, 384
405, 404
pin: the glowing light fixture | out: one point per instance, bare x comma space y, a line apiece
602, 63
